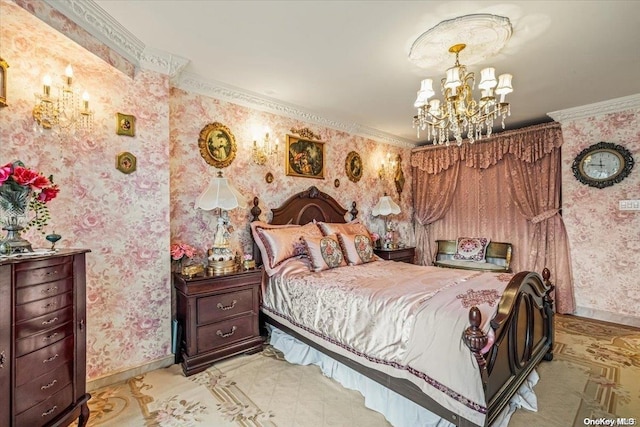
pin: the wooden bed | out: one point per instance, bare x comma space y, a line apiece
523, 325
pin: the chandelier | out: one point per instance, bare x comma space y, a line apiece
62, 113
459, 113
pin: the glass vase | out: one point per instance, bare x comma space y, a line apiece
13, 243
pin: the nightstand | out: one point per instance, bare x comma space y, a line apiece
402, 254
217, 317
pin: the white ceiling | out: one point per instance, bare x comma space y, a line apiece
348, 60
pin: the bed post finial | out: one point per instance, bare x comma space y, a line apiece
476, 340
547, 301
353, 211
255, 210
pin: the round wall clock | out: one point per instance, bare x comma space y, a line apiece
602, 164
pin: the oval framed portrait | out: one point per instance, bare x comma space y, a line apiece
217, 145
353, 166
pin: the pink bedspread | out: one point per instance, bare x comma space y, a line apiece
401, 319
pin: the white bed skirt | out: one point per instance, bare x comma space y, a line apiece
398, 410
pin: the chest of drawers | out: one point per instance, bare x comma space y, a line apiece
217, 317
43, 340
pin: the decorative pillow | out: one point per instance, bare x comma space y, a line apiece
357, 248
278, 243
471, 249
324, 252
353, 227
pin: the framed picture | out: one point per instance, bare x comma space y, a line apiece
217, 145
3, 82
304, 158
126, 162
125, 124
353, 166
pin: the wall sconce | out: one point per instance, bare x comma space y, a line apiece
62, 113
263, 149
3, 82
387, 167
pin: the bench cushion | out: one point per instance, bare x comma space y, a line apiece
469, 265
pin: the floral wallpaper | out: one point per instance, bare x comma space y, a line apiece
129, 221
604, 240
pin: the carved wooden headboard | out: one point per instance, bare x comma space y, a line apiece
302, 208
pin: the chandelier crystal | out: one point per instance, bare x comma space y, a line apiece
66, 113
459, 113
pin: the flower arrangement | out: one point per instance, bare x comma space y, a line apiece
179, 251
23, 189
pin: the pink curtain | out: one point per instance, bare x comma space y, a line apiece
508, 190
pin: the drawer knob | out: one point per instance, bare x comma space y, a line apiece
49, 273
50, 411
51, 384
51, 359
227, 307
228, 334
3, 357
48, 322
51, 305
49, 290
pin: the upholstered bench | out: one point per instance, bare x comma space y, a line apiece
498, 257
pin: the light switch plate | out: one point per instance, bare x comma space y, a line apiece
629, 205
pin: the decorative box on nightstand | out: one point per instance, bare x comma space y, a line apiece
218, 317
401, 254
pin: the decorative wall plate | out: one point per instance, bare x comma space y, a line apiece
268, 177
602, 165
126, 162
217, 145
125, 124
353, 166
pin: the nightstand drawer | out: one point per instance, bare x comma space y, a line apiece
227, 332
219, 307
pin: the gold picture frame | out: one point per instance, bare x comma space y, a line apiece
125, 124
126, 162
353, 166
304, 158
3, 82
217, 145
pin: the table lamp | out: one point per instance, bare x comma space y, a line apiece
221, 195
385, 207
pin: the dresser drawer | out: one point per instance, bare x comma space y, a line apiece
48, 410
42, 323
43, 339
226, 332
49, 272
42, 387
43, 306
33, 293
221, 306
43, 361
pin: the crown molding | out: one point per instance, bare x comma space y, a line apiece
93, 19
214, 89
597, 109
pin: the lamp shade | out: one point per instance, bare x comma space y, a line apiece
219, 194
385, 206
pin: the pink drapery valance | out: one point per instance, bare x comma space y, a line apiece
528, 145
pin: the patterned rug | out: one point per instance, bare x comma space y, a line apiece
595, 374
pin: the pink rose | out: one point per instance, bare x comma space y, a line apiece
5, 173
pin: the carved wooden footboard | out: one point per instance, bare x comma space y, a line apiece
524, 335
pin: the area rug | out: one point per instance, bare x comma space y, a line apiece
595, 374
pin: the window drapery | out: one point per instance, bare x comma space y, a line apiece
508, 189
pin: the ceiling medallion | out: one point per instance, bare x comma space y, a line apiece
483, 34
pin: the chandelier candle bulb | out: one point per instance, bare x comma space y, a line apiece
68, 72
46, 83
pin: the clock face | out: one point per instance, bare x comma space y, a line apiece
602, 165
